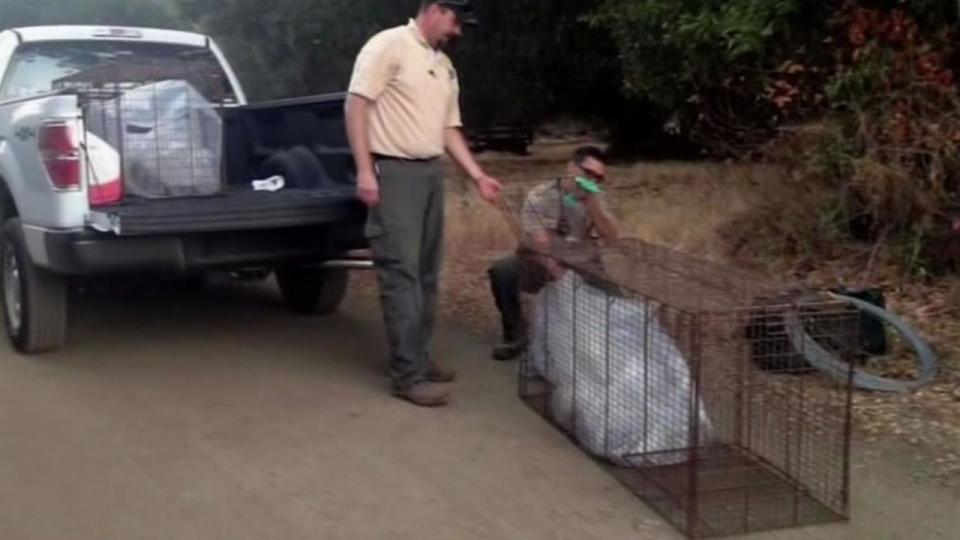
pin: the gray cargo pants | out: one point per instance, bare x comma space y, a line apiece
406, 235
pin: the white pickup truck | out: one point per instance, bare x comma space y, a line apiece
133, 150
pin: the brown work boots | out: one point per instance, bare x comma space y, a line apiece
429, 393
424, 394
439, 374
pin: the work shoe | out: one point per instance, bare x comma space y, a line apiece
509, 350
423, 394
440, 374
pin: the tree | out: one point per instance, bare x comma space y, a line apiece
149, 13
296, 47
529, 59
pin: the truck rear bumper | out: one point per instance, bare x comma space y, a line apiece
84, 252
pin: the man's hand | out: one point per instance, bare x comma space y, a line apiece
456, 145
553, 268
368, 189
956, 225
489, 187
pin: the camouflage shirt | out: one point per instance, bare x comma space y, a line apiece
571, 228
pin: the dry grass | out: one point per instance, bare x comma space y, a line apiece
686, 206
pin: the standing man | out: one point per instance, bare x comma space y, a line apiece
403, 112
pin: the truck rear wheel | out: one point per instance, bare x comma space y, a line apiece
312, 291
34, 299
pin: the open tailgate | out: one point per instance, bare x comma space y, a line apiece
231, 211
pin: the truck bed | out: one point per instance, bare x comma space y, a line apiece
230, 211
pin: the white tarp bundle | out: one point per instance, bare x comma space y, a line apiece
169, 137
620, 384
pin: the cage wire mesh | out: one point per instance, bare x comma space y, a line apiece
686, 379
154, 123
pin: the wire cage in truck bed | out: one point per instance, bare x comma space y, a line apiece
686, 379
153, 126
167, 151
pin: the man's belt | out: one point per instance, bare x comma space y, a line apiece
384, 157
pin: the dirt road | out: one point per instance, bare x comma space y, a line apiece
221, 416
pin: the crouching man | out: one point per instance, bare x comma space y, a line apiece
561, 221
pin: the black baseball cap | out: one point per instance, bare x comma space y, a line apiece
464, 10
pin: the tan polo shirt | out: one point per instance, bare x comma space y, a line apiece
414, 92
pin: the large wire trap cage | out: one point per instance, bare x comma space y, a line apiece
153, 117
688, 381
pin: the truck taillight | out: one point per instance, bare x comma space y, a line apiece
104, 193
60, 152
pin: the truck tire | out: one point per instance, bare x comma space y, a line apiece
34, 299
299, 167
312, 291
